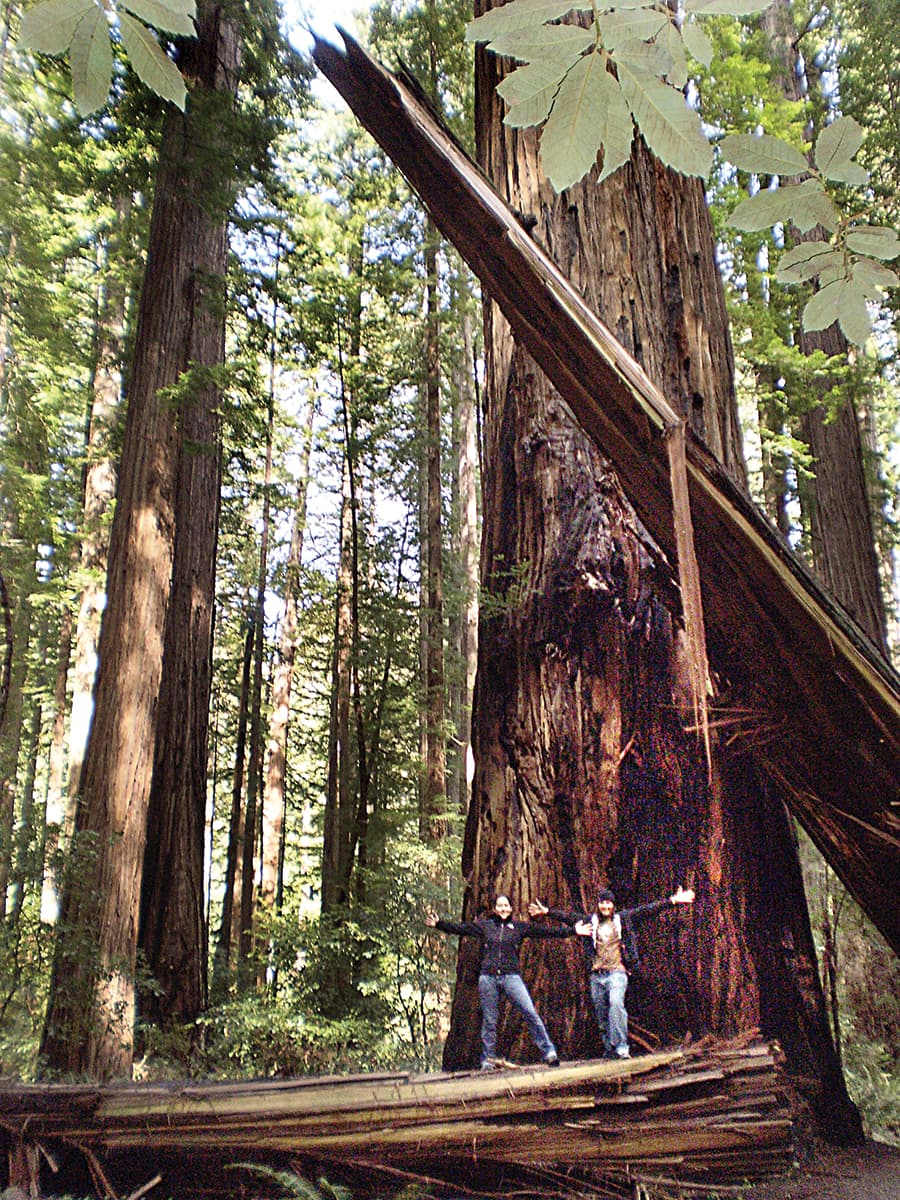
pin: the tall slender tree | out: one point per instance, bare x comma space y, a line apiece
89, 1023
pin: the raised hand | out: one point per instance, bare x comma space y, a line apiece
431, 918
682, 896
537, 909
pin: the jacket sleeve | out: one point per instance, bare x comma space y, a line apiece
538, 929
567, 918
641, 911
463, 928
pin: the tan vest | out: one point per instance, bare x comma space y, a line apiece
607, 938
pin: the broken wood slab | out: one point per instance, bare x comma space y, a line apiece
720, 1113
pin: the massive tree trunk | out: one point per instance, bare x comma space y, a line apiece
90, 1017
98, 494
173, 935
100, 481
585, 772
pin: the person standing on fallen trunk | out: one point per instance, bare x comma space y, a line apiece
501, 938
615, 954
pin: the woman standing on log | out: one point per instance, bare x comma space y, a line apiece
501, 938
615, 954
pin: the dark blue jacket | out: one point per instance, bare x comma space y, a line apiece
500, 940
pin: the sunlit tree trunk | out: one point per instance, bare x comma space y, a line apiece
100, 483
54, 810
466, 426
99, 493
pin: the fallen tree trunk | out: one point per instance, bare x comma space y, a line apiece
712, 1113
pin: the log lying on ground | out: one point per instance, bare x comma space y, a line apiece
713, 1113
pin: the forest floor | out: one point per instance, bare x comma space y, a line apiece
867, 1172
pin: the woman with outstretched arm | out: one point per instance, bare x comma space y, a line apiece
615, 954
501, 937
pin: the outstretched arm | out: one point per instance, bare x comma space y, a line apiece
538, 909
463, 928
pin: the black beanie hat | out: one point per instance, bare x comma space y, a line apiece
606, 894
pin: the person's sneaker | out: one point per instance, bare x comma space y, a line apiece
552, 1060
489, 1065
623, 1052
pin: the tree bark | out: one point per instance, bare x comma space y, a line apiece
89, 1025
586, 774
100, 479
100, 482
173, 934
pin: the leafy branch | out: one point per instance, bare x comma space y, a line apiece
590, 87
86, 30
849, 267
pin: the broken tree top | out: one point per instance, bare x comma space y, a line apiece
810, 699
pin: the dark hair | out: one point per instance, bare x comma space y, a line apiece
606, 894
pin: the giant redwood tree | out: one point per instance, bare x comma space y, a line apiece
587, 774
167, 468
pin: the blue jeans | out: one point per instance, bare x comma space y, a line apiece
513, 986
608, 998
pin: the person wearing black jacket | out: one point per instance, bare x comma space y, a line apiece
615, 954
501, 937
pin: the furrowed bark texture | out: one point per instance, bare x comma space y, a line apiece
585, 773
90, 1018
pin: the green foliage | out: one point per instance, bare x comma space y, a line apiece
592, 87
261, 1036
848, 269
82, 28
296, 1185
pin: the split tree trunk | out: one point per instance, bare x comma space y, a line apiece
585, 772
